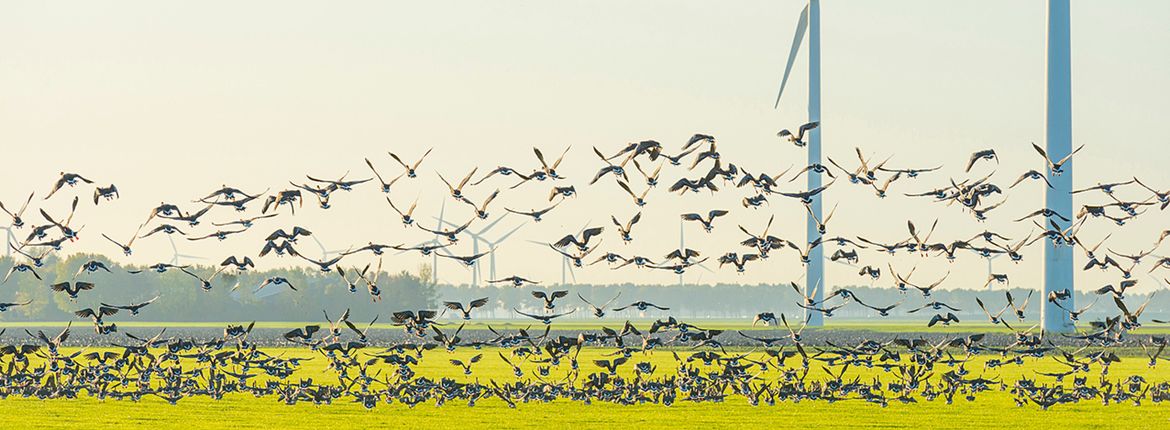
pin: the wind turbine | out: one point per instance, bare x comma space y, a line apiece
810, 22
175, 255
566, 265
479, 236
1058, 258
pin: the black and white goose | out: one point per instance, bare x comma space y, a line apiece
624, 229
17, 220
798, 138
70, 179
411, 169
1056, 167
457, 191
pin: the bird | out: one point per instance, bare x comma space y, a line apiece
599, 311
639, 199
466, 310
706, 222
70, 179
535, 214
945, 320
276, 280
798, 138
467, 366
467, 260
641, 306
516, 281
72, 288
386, 186
457, 191
5, 306
1056, 167
134, 308
408, 216
986, 154
549, 297
411, 169
582, 243
17, 220
624, 229
546, 319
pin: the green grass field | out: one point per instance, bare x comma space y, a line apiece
990, 410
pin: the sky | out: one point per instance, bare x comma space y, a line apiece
169, 100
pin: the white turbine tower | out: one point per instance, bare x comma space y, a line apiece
810, 22
1058, 258
9, 239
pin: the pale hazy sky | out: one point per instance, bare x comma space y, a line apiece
169, 100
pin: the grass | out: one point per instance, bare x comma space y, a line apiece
887, 326
991, 410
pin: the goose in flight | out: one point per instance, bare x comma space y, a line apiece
90, 267
385, 185
244, 222
550, 169
4, 307
1162, 196
205, 283
411, 169
164, 228
582, 243
798, 138
408, 216
481, 209
466, 310
109, 193
549, 297
278, 281
17, 220
755, 201
467, 366
618, 170
66, 231
240, 265
134, 308
546, 319
220, 234
326, 266
737, 260
468, 260
651, 178
706, 222
96, 316
343, 184
1056, 167
641, 306
281, 248
624, 229
1106, 188
685, 184
516, 281
806, 196
452, 234
944, 319
20, 268
457, 191
126, 248
297, 231
535, 214
577, 258
599, 311
696, 139
71, 288
563, 192
70, 179
986, 154
639, 200
502, 171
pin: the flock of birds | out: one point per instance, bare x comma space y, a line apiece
705, 371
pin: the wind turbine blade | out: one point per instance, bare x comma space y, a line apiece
801, 28
704, 267
505, 236
492, 224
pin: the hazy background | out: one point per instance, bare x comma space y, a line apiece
169, 100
